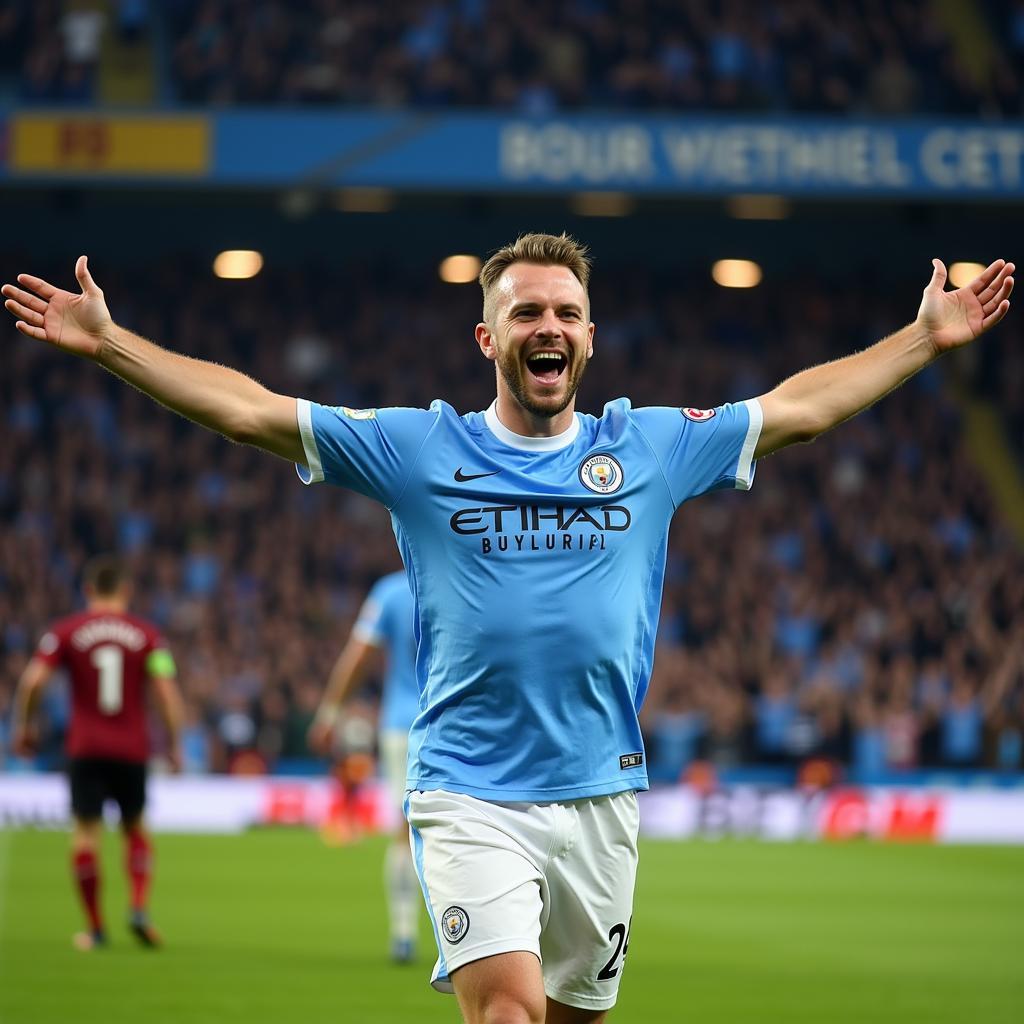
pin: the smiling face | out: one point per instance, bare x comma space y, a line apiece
537, 330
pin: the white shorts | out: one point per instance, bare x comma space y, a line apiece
553, 879
393, 746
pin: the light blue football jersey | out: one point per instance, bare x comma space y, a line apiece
536, 567
387, 620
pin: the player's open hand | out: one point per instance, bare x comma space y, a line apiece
955, 318
77, 323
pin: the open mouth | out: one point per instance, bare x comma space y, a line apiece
547, 367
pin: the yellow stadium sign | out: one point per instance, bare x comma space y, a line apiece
116, 146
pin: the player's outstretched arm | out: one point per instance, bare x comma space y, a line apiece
814, 401
214, 396
349, 669
26, 699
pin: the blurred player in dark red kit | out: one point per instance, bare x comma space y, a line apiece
111, 657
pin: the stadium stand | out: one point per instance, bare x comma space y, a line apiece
860, 606
869, 57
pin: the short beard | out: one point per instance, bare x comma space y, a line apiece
511, 369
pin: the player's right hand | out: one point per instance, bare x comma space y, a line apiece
77, 323
320, 738
24, 742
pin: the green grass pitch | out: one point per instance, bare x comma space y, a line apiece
274, 926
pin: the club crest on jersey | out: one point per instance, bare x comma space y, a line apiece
601, 474
699, 415
359, 414
455, 924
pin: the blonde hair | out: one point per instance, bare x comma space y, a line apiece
545, 250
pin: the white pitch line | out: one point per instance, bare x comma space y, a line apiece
6, 842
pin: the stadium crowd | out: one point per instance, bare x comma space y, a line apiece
1000, 377
728, 55
861, 606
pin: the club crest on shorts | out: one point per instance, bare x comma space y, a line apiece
699, 415
455, 924
601, 474
359, 414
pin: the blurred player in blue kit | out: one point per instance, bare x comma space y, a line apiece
385, 623
534, 538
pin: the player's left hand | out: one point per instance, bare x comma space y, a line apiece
955, 318
174, 760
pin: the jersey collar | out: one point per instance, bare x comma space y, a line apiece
530, 444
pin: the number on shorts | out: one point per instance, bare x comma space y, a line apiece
619, 934
108, 659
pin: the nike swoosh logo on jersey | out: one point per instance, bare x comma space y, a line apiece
461, 477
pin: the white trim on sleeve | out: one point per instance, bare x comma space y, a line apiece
368, 635
368, 622
745, 468
313, 471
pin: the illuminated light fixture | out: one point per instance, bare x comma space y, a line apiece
961, 274
601, 204
364, 200
459, 269
736, 273
238, 264
757, 207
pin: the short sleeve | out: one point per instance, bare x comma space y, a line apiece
369, 625
371, 451
704, 449
50, 649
